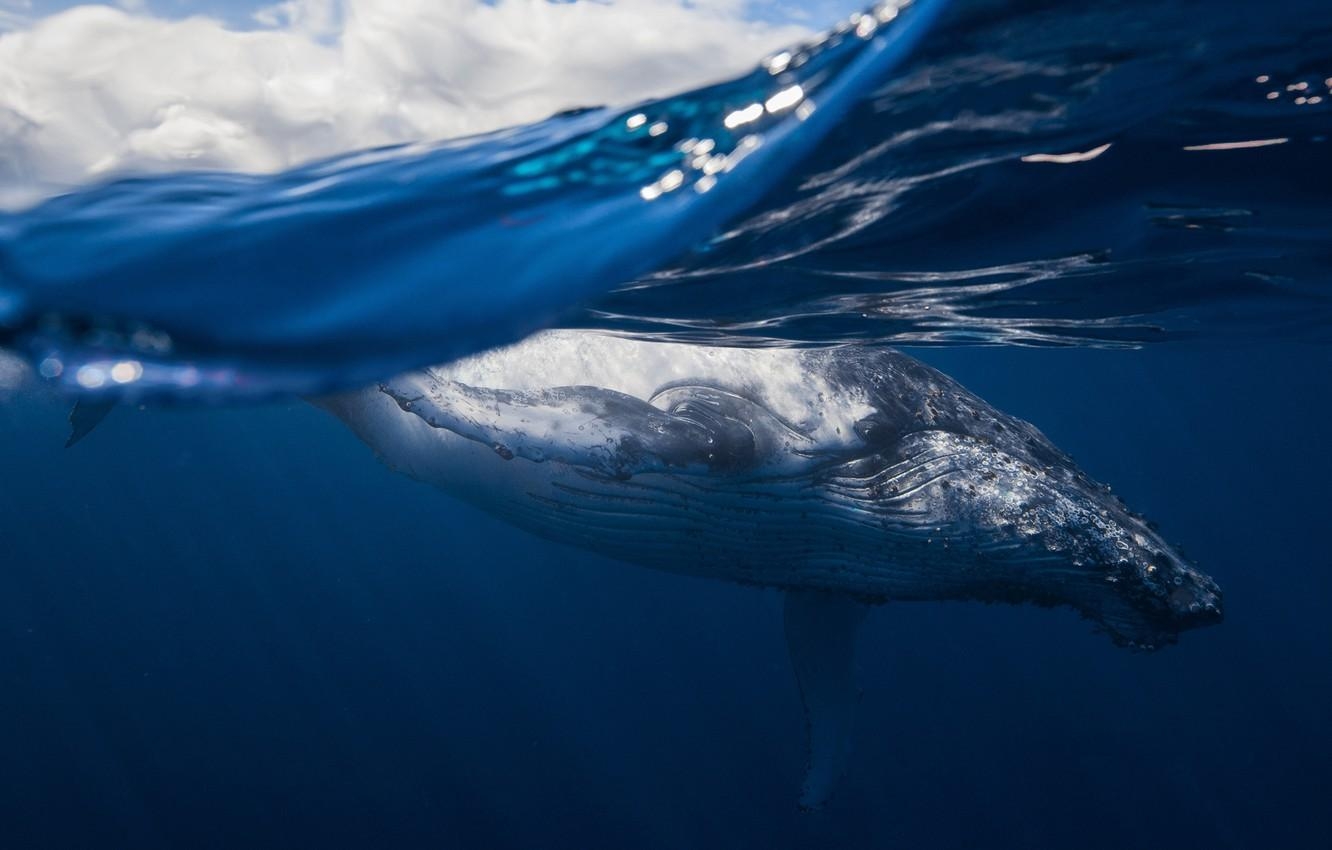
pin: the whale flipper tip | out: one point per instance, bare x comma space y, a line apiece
84, 417
821, 633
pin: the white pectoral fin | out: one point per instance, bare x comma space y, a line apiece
821, 633
610, 432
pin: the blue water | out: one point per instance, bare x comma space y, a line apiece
231, 626
220, 286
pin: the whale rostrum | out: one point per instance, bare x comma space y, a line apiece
845, 477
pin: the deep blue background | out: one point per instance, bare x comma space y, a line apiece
234, 628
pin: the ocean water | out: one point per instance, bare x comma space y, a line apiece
227, 624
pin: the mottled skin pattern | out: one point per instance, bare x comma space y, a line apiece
888, 481
1035, 527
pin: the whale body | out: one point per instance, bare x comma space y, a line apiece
844, 477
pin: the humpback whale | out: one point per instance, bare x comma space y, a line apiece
843, 477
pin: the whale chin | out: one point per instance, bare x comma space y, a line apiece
1158, 605
1148, 631
1140, 637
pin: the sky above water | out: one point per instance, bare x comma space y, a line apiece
242, 13
90, 92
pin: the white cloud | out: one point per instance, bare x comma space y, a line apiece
98, 90
316, 17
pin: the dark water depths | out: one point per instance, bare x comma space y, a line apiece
228, 627
232, 626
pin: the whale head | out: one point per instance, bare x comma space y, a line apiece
1153, 592
1137, 587
972, 493
1013, 520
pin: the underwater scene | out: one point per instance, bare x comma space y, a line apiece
664, 424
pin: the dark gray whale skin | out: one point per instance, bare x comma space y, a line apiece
1013, 497
933, 495
844, 477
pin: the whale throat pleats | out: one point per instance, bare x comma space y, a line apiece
821, 631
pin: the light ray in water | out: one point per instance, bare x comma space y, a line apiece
974, 200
